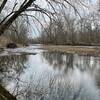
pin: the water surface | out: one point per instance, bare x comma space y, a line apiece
49, 75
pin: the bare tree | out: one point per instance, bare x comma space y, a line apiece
18, 31
27, 6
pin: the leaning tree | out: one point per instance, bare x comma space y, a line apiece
22, 7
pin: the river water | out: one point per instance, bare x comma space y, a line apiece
38, 74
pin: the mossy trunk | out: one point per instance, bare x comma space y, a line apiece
5, 95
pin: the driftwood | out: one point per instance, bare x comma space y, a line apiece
5, 95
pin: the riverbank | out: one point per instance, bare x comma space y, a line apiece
83, 50
5, 40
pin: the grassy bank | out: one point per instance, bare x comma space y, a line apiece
83, 50
3, 41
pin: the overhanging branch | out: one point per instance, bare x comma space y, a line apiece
3, 5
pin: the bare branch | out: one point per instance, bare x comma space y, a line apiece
3, 5
6, 18
14, 16
23, 3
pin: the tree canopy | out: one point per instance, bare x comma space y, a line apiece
25, 7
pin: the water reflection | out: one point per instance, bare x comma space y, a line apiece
11, 67
51, 76
70, 61
76, 85
59, 60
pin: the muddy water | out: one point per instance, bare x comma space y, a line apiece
34, 74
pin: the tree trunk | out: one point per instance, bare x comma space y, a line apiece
5, 95
6, 25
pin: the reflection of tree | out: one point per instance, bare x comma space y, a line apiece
11, 67
86, 63
61, 87
51, 87
69, 61
59, 60
55, 59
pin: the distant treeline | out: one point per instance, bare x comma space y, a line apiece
70, 31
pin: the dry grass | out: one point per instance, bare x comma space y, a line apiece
84, 50
4, 40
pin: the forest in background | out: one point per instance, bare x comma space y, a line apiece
70, 31
59, 23
69, 28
